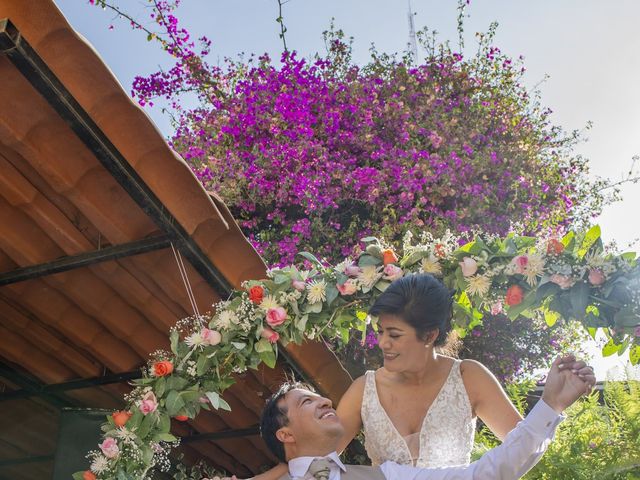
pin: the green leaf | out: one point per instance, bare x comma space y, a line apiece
551, 317
310, 257
527, 302
382, 285
174, 403
301, 323
203, 364
175, 382
589, 239
366, 260
78, 476
579, 299
634, 354
146, 425
332, 294
164, 423
269, 358
164, 437
369, 239
610, 348
568, 240
160, 387
175, 338
239, 345
214, 398
263, 346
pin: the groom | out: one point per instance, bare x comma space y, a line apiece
301, 428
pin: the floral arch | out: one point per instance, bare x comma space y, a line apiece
571, 277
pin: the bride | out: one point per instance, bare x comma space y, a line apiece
421, 407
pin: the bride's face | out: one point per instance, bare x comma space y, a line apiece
402, 349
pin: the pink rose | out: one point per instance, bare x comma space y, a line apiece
469, 266
276, 316
636, 332
110, 447
299, 285
149, 403
520, 262
347, 288
496, 308
563, 281
210, 337
270, 335
392, 272
352, 271
596, 277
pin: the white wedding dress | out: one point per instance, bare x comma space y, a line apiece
446, 436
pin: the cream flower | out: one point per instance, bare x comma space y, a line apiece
269, 302
478, 285
225, 319
317, 291
368, 276
431, 265
534, 269
99, 464
194, 340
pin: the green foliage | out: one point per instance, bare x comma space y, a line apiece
599, 440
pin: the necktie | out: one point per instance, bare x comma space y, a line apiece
320, 469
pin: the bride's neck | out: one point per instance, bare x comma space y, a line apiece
424, 372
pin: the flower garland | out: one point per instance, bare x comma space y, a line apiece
571, 277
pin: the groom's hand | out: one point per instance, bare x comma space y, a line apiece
567, 381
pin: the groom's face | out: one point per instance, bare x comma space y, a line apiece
312, 419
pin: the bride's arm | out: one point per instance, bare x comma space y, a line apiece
488, 400
349, 412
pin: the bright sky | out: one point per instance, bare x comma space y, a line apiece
588, 48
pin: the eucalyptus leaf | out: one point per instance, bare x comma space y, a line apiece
174, 403
263, 346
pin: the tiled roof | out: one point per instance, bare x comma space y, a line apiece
58, 200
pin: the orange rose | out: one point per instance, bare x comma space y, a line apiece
554, 247
120, 418
256, 294
162, 369
88, 475
181, 418
514, 295
389, 256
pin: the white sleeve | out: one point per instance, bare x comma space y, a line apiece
520, 451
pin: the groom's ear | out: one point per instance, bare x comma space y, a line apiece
285, 435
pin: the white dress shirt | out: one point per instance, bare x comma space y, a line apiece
520, 451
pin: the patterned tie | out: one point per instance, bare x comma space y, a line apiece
320, 469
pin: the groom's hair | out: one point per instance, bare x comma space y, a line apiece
274, 417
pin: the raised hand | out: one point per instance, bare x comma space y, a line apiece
567, 381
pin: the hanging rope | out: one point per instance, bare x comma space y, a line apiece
185, 280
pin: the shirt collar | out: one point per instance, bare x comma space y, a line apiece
299, 466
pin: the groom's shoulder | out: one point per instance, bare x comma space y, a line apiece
362, 472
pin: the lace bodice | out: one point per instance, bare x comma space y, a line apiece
447, 432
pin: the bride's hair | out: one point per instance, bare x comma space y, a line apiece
423, 302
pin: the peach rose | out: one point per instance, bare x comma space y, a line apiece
565, 282
88, 475
514, 295
210, 337
468, 266
162, 369
181, 418
256, 294
270, 335
389, 256
276, 316
299, 285
120, 418
149, 403
596, 277
347, 288
110, 447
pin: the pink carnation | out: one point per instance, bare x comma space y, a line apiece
352, 271
276, 316
520, 262
110, 447
149, 403
496, 308
392, 272
270, 335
